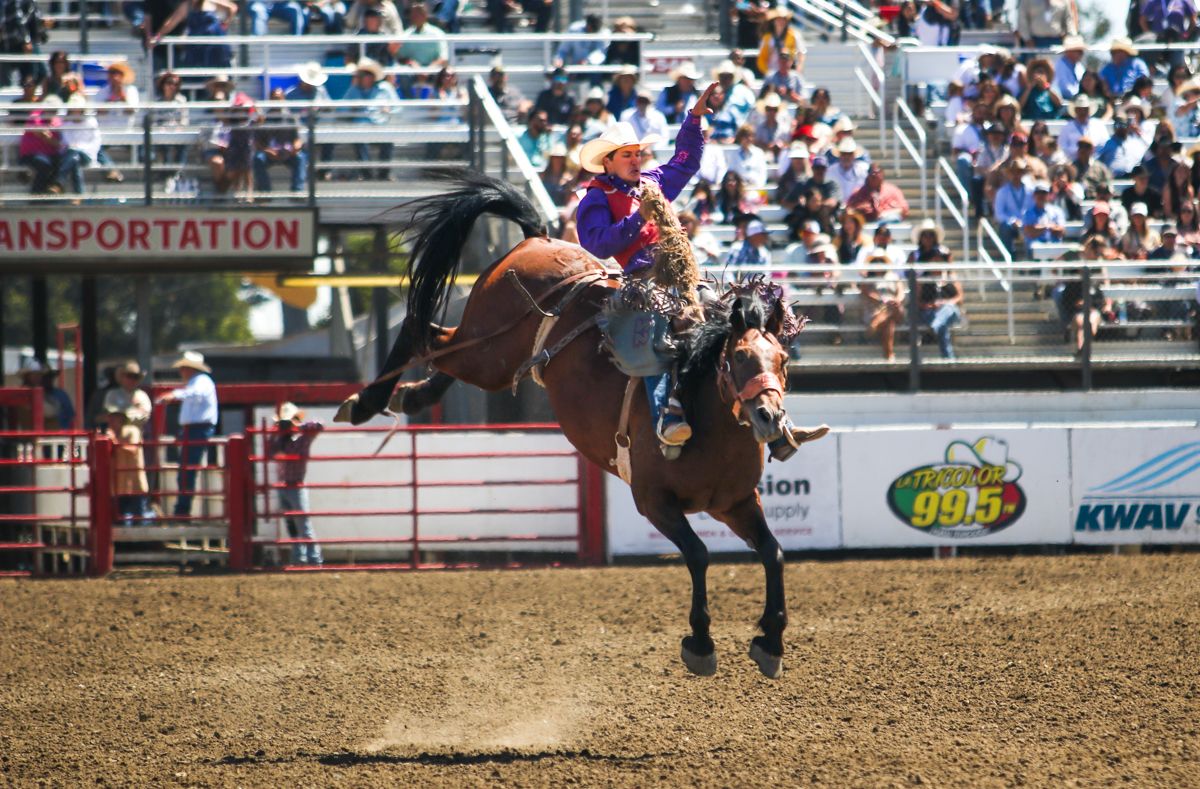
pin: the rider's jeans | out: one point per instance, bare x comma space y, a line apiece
658, 391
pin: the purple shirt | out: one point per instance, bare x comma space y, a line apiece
602, 234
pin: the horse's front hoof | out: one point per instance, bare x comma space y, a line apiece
346, 409
770, 665
699, 664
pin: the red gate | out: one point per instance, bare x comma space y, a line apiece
409, 487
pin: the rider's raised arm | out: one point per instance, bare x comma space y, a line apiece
689, 147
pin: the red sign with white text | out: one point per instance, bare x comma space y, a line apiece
162, 239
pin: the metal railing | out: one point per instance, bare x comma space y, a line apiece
917, 151
846, 17
530, 176
960, 211
985, 231
877, 90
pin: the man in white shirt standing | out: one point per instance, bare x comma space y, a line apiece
197, 422
644, 118
1068, 69
1082, 125
849, 173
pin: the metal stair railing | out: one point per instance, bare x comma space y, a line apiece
918, 151
960, 211
878, 97
985, 231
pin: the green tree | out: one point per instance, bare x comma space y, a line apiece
194, 308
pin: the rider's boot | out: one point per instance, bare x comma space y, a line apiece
673, 429
666, 411
786, 445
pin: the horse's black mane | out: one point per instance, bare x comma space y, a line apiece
700, 347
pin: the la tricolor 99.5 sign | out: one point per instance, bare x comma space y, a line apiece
937, 487
102, 238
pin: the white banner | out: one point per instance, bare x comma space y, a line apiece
1136, 485
954, 487
130, 236
800, 500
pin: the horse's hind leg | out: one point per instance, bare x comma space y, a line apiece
746, 520
698, 651
414, 397
374, 397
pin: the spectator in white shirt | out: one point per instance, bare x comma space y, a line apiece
119, 89
712, 162
1068, 69
1082, 125
748, 160
197, 422
644, 118
849, 173
81, 141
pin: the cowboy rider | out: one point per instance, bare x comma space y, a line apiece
610, 224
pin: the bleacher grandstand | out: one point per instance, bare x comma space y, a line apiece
892, 89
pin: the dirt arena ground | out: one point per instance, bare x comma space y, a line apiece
1052, 671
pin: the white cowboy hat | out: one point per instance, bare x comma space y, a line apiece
1071, 43
221, 81
686, 69
288, 412
619, 135
595, 94
1081, 102
627, 71
725, 67
843, 124
987, 451
193, 360
311, 73
1123, 44
927, 226
770, 100
369, 66
847, 145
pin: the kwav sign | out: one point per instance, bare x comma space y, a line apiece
1136, 485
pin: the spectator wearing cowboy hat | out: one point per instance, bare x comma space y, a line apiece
127, 397
369, 85
772, 128
1069, 68
623, 52
781, 41
289, 446
198, 415
1124, 69
644, 118
623, 94
119, 89
58, 412
738, 98
678, 97
81, 143
849, 173
1081, 125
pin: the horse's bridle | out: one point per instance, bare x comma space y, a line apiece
731, 392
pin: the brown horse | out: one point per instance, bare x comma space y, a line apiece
733, 378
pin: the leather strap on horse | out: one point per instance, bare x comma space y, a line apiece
589, 275
622, 440
540, 358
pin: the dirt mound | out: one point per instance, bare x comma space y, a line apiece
1057, 671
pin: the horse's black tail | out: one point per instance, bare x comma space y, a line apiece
438, 229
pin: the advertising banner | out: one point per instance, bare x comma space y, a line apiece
97, 239
1135, 485
800, 500
910, 488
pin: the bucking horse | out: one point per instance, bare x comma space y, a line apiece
535, 311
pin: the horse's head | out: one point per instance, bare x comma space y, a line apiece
753, 366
